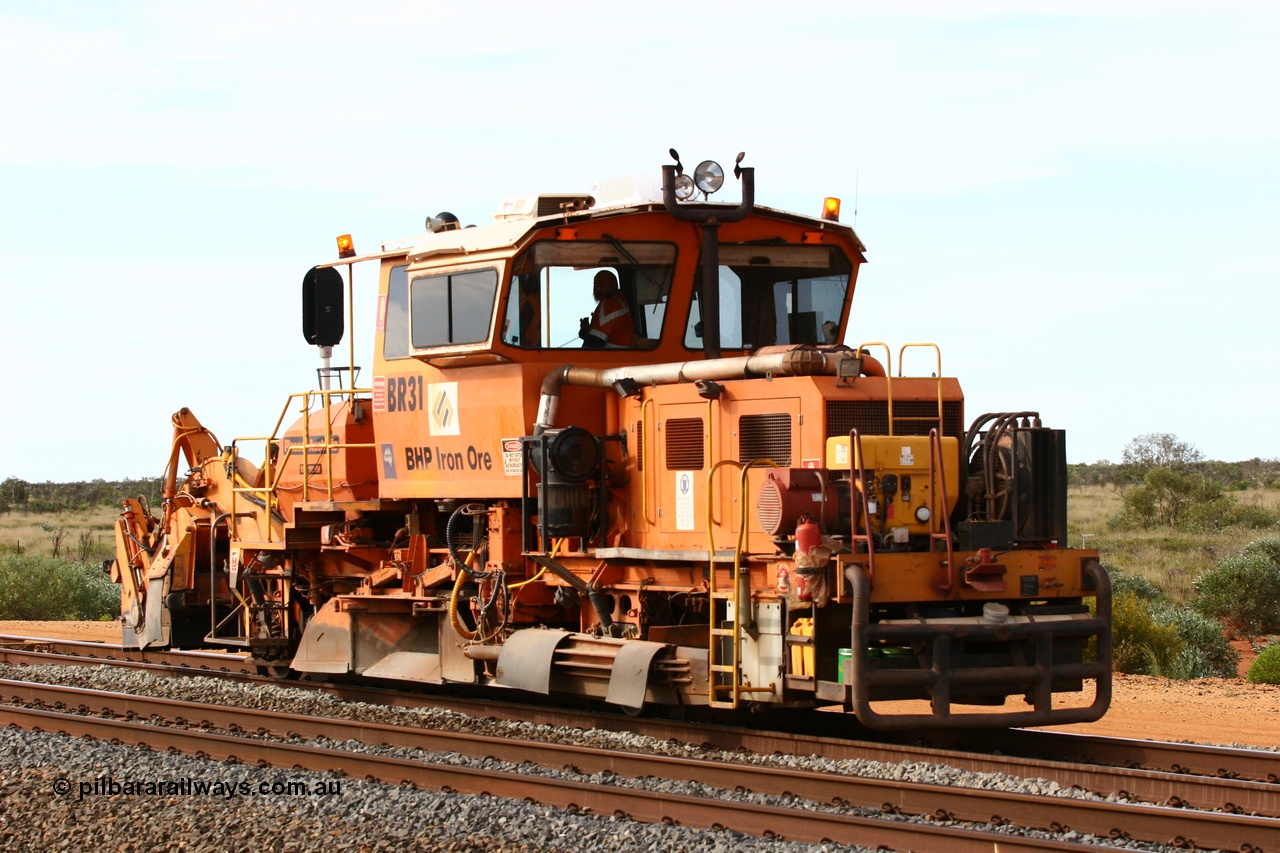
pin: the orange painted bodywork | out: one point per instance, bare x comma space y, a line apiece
372, 510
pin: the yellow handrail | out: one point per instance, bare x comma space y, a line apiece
645, 446
273, 468
937, 375
711, 537
736, 632
888, 375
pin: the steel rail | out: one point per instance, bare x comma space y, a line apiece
1128, 768
1198, 759
36, 657
639, 805
107, 652
1148, 823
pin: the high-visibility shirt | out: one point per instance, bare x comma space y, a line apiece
611, 322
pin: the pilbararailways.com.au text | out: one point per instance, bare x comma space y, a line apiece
187, 786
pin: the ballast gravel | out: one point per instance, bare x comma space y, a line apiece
187, 809
232, 816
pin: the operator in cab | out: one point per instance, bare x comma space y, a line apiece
610, 324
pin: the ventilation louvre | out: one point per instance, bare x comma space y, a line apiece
765, 437
684, 444
911, 417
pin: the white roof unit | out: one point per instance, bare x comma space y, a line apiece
535, 205
625, 191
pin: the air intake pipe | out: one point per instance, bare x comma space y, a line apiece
794, 360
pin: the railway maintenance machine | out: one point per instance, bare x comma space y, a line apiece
614, 445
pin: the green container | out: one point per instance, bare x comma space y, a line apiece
843, 656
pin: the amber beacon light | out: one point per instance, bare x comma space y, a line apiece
831, 209
346, 248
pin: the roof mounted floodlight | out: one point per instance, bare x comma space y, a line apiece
684, 187
709, 177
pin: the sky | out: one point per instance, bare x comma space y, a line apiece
1075, 200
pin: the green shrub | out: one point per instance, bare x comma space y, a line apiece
1268, 547
1181, 499
1265, 668
1244, 590
1122, 582
1255, 517
1166, 497
1225, 512
37, 586
1141, 645
1205, 652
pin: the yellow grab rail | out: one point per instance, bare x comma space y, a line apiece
274, 464
937, 375
714, 666
645, 446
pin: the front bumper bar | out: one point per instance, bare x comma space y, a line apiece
945, 678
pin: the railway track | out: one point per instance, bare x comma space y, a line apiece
1140, 769
1179, 826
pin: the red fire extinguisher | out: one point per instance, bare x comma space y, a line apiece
808, 536
784, 579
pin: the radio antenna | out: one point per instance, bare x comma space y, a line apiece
857, 173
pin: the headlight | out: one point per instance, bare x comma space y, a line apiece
708, 176
684, 187
574, 454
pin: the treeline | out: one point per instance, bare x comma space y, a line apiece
1231, 476
20, 496
1167, 482
1165, 451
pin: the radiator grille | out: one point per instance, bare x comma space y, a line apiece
684, 444
871, 417
765, 437
639, 445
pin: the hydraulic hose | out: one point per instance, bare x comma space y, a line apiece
451, 535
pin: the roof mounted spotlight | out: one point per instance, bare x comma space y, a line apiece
684, 187
708, 177
683, 184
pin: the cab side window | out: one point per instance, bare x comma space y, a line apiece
395, 335
454, 308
